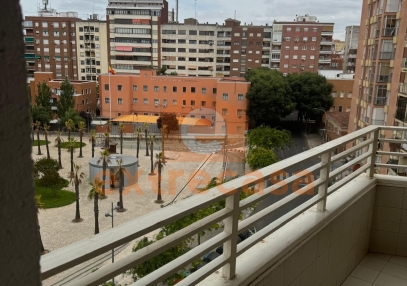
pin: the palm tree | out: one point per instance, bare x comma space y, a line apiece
71, 148
92, 138
59, 139
159, 164
121, 129
151, 139
139, 136
39, 205
46, 128
104, 159
38, 127
76, 179
33, 131
81, 129
69, 125
145, 124
94, 194
120, 174
107, 140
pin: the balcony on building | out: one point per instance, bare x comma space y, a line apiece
322, 222
404, 65
403, 89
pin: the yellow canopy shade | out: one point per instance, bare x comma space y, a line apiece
153, 119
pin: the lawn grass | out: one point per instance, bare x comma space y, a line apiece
76, 145
61, 198
35, 142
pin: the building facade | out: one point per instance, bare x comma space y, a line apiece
134, 33
302, 45
50, 43
216, 99
92, 51
380, 76
351, 48
85, 92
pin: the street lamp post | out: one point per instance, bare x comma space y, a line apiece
326, 124
112, 216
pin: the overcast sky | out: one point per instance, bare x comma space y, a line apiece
341, 12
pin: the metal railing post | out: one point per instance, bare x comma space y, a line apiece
231, 227
324, 175
372, 159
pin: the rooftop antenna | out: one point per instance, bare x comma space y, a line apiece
45, 2
235, 14
195, 9
177, 12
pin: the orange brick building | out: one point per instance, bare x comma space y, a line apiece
85, 91
219, 100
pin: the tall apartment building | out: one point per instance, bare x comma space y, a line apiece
92, 51
351, 48
379, 90
194, 49
302, 45
134, 33
50, 43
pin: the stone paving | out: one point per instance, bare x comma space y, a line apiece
57, 228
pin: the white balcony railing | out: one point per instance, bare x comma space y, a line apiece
363, 154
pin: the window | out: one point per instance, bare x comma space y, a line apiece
314, 29
192, 102
184, 102
304, 48
342, 96
340, 108
286, 66
295, 48
312, 57
332, 109
295, 57
145, 87
258, 34
349, 94
294, 66
239, 129
165, 88
203, 103
135, 88
106, 86
107, 100
174, 102
334, 94
193, 89
237, 34
224, 111
286, 56
225, 96
119, 101
214, 90
287, 47
240, 97
193, 32
156, 101
135, 100
44, 24
156, 89
314, 39
174, 89
297, 29
203, 116
145, 100
288, 29
119, 87
250, 34
184, 89
204, 90
305, 29
313, 48
305, 39
239, 112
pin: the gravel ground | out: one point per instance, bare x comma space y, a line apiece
57, 228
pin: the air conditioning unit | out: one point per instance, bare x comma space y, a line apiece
183, 106
305, 41
296, 40
156, 104
302, 69
164, 105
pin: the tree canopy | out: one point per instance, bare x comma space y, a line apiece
169, 119
66, 99
310, 91
44, 95
41, 114
258, 158
269, 96
73, 115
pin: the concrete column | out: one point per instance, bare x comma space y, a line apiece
19, 241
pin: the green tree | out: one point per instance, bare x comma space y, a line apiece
169, 119
92, 138
120, 175
162, 70
66, 98
310, 91
258, 158
159, 165
81, 129
76, 179
96, 194
44, 96
69, 125
46, 134
72, 115
269, 96
71, 149
58, 140
41, 114
104, 159
268, 138
38, 128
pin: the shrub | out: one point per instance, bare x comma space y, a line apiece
44, 164
50, 179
